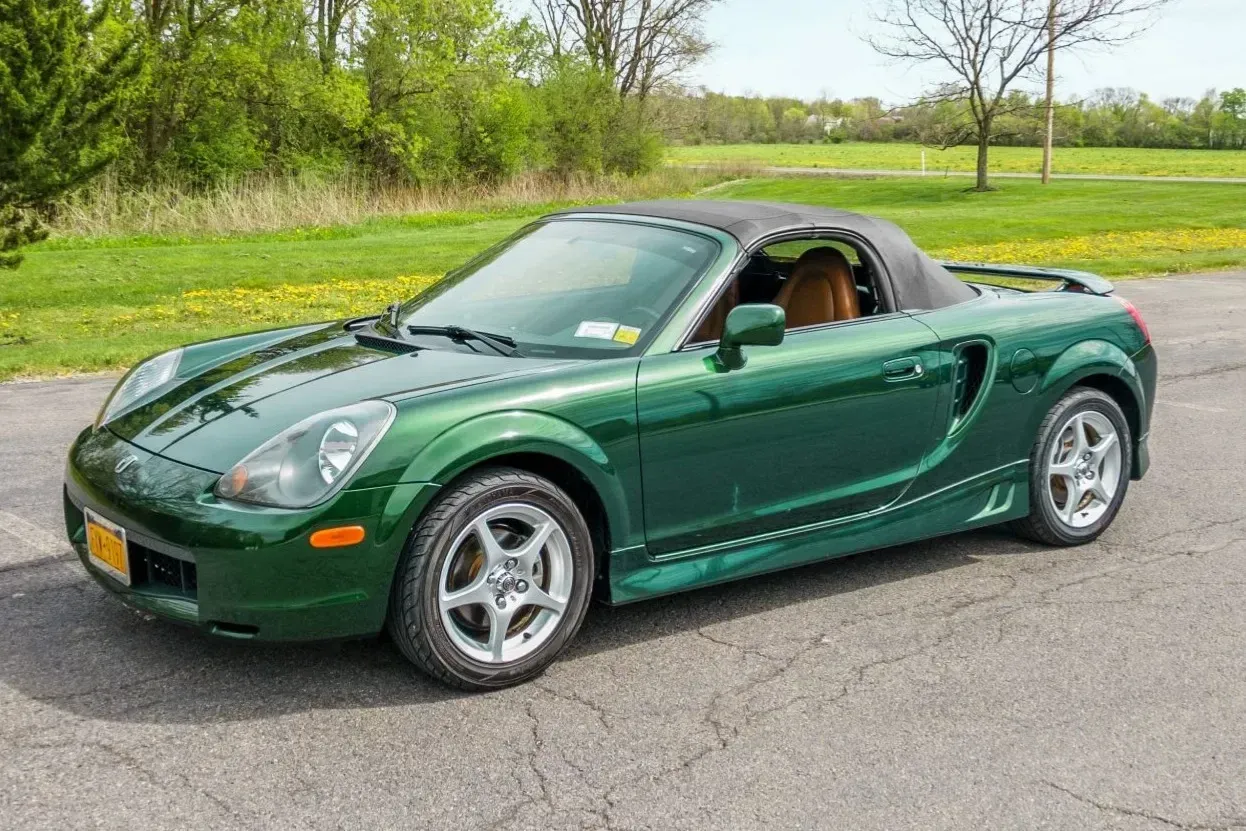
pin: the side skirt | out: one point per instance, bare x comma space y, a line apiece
987, 499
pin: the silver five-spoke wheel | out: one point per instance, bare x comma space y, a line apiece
505, 585
495, 579
1084, 469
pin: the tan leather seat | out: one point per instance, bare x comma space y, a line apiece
711, 329
820, 290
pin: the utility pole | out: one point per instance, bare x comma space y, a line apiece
1051, 91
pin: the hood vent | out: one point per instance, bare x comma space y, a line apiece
397, 347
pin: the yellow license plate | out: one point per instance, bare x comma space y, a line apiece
107, 548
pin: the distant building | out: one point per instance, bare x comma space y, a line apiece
828, 123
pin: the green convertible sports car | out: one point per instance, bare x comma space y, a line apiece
622, 401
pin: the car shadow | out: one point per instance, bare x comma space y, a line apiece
609, 628
75, 648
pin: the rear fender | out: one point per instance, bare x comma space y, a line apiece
1079, 362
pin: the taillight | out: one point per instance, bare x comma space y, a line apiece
1137, 316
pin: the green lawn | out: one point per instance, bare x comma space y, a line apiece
82, 305
104, 303
878, 156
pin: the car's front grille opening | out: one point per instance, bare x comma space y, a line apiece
152, 569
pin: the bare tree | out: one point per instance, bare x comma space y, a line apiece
326, 19
1114, 30
986, 46
640, 44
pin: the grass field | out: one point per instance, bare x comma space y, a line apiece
101, 303
877, 156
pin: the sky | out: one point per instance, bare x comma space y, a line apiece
807, 48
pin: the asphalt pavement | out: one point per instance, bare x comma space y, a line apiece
975, 681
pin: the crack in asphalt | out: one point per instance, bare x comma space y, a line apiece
726, 733
1218, 825
745, 650
42, 562
95, 692
1170, 378
600, 712
533, 756
129, 761
1205, 526
79, 586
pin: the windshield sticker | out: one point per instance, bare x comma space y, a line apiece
627, 334
599, 329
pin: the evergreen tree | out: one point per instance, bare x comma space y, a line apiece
63, 71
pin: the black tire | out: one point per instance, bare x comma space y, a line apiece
1043, 523
415, 622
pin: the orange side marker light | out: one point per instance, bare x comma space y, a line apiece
337, 537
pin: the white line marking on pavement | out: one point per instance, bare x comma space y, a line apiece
1200, 407
36, 542
32, 534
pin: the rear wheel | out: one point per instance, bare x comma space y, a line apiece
1079, 469
495, 581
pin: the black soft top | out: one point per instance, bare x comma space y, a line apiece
919, 282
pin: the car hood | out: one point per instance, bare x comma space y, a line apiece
225, 410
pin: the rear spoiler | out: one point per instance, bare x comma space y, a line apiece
1079, 281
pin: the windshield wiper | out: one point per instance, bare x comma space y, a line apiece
498, 343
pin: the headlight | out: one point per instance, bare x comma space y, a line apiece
147, 376
310, 461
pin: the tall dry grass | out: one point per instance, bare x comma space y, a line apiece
267, 203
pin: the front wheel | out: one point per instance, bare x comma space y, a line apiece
1079, 469
494, 582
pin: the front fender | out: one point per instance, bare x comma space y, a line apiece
490, 436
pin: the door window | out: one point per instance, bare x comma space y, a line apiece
817, 280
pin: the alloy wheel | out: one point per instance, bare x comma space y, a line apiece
504, 586
1084, 469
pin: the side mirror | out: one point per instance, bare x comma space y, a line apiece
754, 324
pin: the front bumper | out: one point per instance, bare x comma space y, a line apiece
233, 570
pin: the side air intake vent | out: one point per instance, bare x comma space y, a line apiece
972, 362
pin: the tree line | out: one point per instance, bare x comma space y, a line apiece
199, 92
413, 90
1111, 117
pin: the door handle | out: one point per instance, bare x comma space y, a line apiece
902, 369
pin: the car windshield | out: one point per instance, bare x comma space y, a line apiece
574, 288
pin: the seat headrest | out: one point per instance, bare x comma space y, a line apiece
825, 257
832, 265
